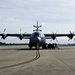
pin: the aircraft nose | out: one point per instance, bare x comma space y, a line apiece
34, 41
37, 39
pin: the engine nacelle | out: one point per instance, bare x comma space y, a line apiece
3, 36
53, 36
70, 36
21, 37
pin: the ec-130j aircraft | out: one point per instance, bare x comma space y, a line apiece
37, 39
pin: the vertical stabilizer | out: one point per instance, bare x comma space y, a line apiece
37, 27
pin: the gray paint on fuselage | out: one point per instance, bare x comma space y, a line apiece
37, 38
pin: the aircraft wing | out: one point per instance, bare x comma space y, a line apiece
20, 36
53, 36
48, 36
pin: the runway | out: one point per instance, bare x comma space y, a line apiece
19, 60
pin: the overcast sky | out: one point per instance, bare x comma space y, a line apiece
53, 15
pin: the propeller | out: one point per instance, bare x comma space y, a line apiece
3, 35
71, 35
54, 35
21, 35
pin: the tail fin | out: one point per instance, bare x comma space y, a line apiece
37, 27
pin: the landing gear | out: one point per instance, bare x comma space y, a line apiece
30, 48
44, 46
52, 46
37, 47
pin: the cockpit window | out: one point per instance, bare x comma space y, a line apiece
35, 34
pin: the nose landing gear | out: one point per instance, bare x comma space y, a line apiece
37, 47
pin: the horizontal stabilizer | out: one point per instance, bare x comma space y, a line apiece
37, 27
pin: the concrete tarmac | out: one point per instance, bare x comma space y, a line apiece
19, 60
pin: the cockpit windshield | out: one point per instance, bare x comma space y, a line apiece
36, 34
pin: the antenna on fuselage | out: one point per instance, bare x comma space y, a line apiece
37, 27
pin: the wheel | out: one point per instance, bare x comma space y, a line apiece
30, 48
44, 46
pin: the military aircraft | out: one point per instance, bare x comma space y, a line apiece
37, 39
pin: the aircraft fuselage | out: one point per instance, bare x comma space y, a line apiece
37, 39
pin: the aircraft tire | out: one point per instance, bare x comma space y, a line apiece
30, 48
44, 46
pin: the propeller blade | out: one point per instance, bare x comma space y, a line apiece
52, 32
56, 31
56, 39
69, 39
73, 32
70, 31
4, 30
20, 31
